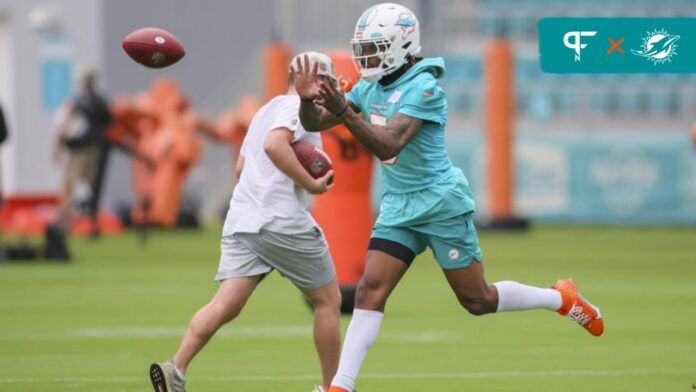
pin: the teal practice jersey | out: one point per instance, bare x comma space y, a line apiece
423, 164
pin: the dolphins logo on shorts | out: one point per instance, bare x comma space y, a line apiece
453, 254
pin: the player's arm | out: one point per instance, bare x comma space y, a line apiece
66, 114
277, 147
313, 117
66, 118
316, 118
385, 142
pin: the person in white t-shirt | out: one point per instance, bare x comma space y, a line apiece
269, 226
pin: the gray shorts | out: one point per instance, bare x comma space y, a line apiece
303, 258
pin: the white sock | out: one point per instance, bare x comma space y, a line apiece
516, 296
179, 373
361, 334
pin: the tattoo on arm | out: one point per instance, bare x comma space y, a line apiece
315, 118
385, 142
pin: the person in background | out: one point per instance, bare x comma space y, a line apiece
3, 138
82, 123
3, 127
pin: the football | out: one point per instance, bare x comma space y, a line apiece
313, 159
153, 47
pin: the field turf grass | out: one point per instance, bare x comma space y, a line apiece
96, 324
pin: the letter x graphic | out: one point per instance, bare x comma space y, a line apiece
615, 45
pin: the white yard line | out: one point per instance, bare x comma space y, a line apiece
304, 332
284, 332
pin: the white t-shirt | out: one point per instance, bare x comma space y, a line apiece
265, 198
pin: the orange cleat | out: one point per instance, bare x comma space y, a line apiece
336, 389
578, 309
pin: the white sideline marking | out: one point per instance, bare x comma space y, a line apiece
285, 332
379, 376
277, 332
261, 331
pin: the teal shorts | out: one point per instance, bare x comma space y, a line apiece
453, 241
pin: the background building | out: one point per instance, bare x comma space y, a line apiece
591, 148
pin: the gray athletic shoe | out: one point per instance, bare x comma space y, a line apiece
165, 378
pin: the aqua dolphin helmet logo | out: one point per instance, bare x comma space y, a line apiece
406, 23
658, 46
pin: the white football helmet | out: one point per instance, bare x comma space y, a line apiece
389, 32
324, 68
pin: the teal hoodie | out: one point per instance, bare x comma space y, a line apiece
423, 164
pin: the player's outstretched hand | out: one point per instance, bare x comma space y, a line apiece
305, 80
322, 184
331, 98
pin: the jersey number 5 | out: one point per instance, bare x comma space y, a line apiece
378, 119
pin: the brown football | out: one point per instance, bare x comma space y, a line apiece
313, 159
153, 47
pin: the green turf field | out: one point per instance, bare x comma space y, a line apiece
97, 323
